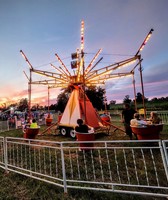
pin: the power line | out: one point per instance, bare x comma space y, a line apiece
112, 54
91, 53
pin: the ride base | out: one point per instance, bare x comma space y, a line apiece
151, 132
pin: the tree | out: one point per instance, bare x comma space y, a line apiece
127, 99
62, 100
95, 95
139, 98
52, 107
112, 102
23, 105
154, 100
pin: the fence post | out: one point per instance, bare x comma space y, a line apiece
16, 125
63, 169
7, 122
5, 155
164, 156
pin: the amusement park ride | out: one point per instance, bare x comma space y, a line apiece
79, 106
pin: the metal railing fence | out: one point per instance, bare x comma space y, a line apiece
134, 167
163, 115
165, 148
6, 126
2, 153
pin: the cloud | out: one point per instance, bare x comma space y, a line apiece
156, 73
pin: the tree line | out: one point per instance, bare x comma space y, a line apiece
98, 98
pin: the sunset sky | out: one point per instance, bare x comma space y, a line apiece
42, 28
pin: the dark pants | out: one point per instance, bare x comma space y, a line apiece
128, 130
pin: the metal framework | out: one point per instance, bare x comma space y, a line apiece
86, 75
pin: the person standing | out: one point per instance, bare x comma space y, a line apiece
126, 116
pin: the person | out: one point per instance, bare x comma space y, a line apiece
26, 125
33, 124
81, 127
137, 121
126, 116
154, 118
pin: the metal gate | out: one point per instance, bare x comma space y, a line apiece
132, 167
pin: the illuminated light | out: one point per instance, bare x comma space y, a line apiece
142, 48
109, 76
62, 74
126, 64
51, 75
79, 70
99, 75
80, 66
108, 69
62, 64
47, 82
145, 41
89, 66
59, 85
111, 67
82, 35
90, 73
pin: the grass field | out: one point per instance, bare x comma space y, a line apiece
14, 186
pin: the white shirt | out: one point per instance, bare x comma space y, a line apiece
135, 122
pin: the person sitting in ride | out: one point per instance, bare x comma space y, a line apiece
154, 118
81, 128
26, 125
105, 117
137, 121
34, 124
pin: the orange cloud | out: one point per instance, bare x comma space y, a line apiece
39, 96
